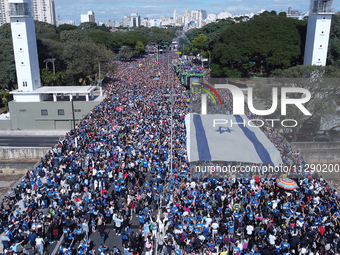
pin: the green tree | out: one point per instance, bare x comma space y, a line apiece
160, 39
51, 79
140, 49
73, 36
45, 30
269, 42
199, 44
283, 14
333, 56
125, 53
7, 65
100, 37
5, 31
87, 25
82, 60
5, 97
66, 27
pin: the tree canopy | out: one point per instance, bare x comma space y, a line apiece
77, 50
268, 41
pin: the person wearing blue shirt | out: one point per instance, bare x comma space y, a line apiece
102, 248
231, 228
141, 219
285, 245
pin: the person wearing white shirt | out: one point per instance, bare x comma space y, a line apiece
249, 230
214, 227
39, 243
208, 220
272, 239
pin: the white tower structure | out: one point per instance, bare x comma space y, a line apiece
25, 46
318, 29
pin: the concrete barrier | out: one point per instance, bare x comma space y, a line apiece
310, 146
22, 153
319, 152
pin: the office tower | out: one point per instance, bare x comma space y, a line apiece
89, 17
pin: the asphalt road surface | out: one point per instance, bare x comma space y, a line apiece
28, 141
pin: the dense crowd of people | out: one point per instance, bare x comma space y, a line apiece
115, 166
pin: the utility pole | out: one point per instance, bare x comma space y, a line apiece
171, 133
100, 82
74, 123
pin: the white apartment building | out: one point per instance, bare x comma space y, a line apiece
224, 15
4, 9
89, 17
135, 20
199, 16
212, 17
187, 14
43, 10
126, 21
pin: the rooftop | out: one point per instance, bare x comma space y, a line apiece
59, 89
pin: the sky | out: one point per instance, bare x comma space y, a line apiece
115, 10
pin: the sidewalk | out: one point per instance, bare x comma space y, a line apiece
36, 132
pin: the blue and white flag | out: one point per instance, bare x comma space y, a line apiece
218, 137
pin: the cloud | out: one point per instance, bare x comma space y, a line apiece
116, 10
239, 8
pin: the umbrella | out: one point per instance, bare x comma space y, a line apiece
156, 78
219, 187
286, 183
119, 108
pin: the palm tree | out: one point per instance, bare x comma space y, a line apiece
125, 52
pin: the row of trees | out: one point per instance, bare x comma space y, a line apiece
256, 46
78, 50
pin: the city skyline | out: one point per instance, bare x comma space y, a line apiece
106, 10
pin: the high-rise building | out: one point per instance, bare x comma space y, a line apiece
199, 16
135, 20
25, 47
289, 10
110, 23
187, 14
175, 15
126, 21
4, 17
318, 29
44, 10
89, 17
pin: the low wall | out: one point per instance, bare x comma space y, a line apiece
22, 154
307, 146
319, 152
